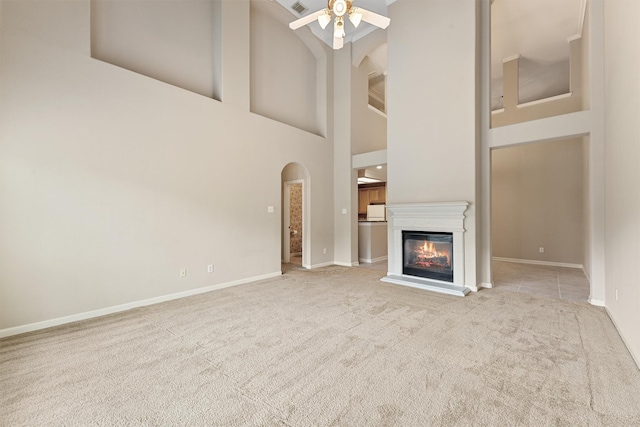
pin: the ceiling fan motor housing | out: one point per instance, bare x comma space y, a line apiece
340, 7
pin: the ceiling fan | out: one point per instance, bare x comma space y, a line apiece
340, 8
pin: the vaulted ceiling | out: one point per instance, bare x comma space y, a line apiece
537, 30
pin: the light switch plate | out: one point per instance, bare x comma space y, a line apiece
270, 209
344, 211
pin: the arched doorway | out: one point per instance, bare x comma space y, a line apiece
295, 242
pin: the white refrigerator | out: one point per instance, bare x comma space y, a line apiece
376, 213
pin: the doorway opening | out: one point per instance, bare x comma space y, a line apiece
293, 222
540, 218
295, 248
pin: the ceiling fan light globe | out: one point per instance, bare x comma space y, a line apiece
324, 20
355, 18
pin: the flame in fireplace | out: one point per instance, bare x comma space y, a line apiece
428, 255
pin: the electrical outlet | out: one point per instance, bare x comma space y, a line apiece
324, 251
183, 272
344, 211
210, 268
541, 249
616, 294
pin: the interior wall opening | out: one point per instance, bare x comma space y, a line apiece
294, 227
372, 199
538, 214
295, 242
535, 55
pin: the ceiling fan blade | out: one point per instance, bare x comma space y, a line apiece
338, 42
306, 19
373, 18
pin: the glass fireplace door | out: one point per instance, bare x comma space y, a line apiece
428, 255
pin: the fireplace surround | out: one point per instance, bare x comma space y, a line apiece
444, 222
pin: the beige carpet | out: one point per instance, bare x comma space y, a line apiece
329, 347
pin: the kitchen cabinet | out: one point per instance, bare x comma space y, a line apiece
377, 195
370, 195
363, 200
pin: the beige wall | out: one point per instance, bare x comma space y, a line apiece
113, 181
283, 73
622, 168
585, 45
516, 113
586, 203
149, 38
372, 241
431, 145
369, 129
537, 201
585, 56
508, 231
590, 122
345, 191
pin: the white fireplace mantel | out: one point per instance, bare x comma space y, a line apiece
436, 217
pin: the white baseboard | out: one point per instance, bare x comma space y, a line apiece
322, 264
596, 302
371, 261
328, 263
536, 262
346, 264
486, 285
7, 332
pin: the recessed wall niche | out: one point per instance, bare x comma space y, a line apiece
174, 42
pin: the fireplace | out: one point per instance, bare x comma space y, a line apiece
428, 255
427, 246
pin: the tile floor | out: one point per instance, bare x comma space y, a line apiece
541, 280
